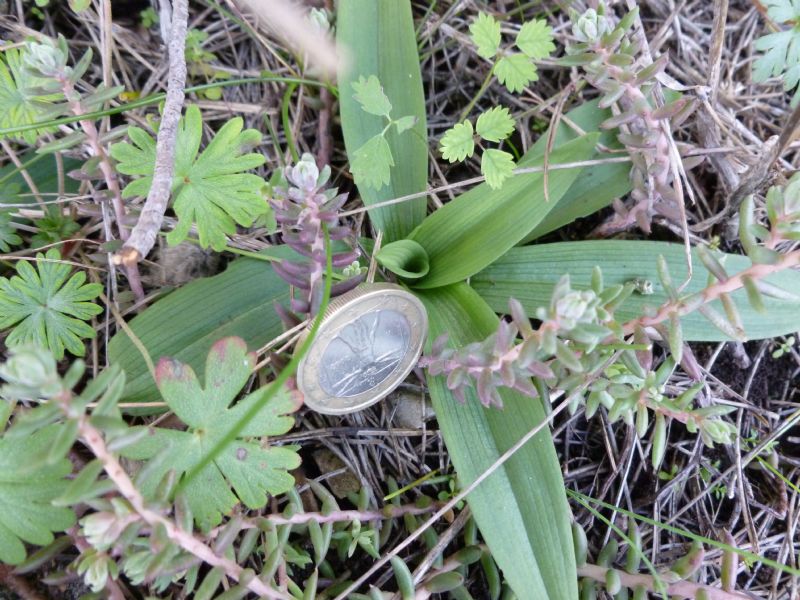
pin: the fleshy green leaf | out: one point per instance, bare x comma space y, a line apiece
495, 125
457, 142
370, 95
496, 166
465, 235
26, 512
535, 39
371, 163
515, 71
250, 469
529, 274
47, 307
521, 509
485, 34
210, 189
380, 40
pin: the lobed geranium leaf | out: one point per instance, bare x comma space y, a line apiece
247, 466
495, 125
515, 71
370, 95
496, 166
535, 39
47, 307
210, 189
26, 495
8, 234
485, 33
457, 142
20, 104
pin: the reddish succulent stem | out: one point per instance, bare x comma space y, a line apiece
110, 176
679, 589
715, 291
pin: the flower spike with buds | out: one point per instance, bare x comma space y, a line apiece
302, 207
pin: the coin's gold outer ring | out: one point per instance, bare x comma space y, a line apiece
342, 311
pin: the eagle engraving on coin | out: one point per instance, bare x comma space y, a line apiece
364, 353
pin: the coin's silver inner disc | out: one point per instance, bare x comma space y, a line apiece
364, 353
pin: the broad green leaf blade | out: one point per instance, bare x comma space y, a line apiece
529, 274
521, 509
597, 186
405, 258
186, 323
469, 233
377, 37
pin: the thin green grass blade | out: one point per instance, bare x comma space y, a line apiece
469, 233
521, 509
529, 274
184, 325
377, 38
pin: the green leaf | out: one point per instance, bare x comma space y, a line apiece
369, 94
238, 302
26, 513
209, 189
530, 273
8, 233
485, 34
515, 71
405, 123
47, 307
457, 143
496, 166
371, 164
379, 40
495, 125
405, 258
598, 184
535, 39
246, 466
521, 509
19, 103
466, 235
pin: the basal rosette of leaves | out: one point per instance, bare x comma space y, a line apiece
211, 189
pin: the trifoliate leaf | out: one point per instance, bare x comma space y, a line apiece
372, 162
495, 124
485, 33
405, 123
247, 464
26, 512
19, 104
47, 307
369, 94
8, 235
515, 71
457, 143
496, 166
535, 39
209, 190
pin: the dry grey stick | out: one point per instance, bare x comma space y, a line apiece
143, 236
